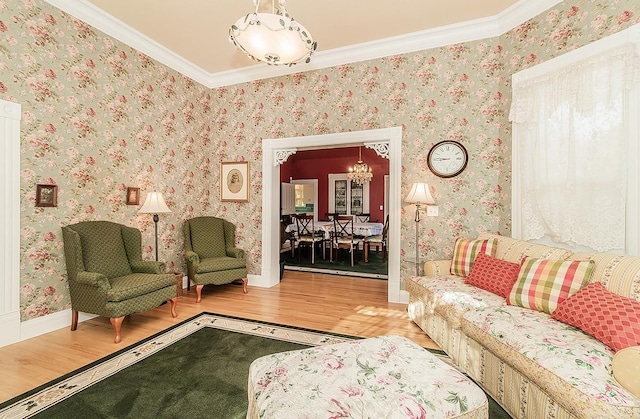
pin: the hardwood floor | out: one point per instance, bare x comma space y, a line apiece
346, 305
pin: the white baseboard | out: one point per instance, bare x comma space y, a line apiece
10, 326
258, 281
41, 325
13, 330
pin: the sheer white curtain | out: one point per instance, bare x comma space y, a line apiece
573, 143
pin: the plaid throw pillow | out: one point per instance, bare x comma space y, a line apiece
465, 252
611, 318
544, 283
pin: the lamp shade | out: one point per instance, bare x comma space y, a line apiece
420, 194
154, 204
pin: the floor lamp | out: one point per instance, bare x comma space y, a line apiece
419, 195
154, 204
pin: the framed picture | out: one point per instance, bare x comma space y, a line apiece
133, 196
234, 181
46, 196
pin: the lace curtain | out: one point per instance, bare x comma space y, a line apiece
573, 148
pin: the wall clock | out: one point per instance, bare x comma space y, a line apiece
447, 159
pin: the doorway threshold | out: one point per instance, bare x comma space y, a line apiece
335, 272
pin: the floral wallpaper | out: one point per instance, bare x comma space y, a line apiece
98, 116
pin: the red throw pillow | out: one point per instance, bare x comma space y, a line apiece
494, 275
611, 318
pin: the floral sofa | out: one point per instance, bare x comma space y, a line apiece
532, 364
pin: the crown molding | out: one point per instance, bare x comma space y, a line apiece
416, 41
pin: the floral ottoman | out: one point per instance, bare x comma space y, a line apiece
381, 377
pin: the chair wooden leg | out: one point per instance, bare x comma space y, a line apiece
174, 303
116, 322
353, 251
366, 246
74, 319
245, 281
199, 293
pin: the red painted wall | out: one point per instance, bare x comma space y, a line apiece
317, 164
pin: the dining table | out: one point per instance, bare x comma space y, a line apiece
359, 229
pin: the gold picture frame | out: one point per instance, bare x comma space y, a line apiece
46, 195
133, 196
234, 181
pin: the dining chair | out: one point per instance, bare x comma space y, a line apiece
288, 236
362, 218
308, 236
380, 240
343, 237
329, 216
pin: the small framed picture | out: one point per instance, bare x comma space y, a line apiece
46, 196
133, 196
234, 181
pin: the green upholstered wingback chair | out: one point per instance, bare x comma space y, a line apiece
107, 275
211, 253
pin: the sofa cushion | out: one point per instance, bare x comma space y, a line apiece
618, 273
450, 297
207, 237
465, 252
220, 264
135, 285
494, 275
514, 250
544, 283
103, 248
612, 319
563, 361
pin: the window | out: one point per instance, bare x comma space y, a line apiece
575, 148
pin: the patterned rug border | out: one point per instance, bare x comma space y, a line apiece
46, 395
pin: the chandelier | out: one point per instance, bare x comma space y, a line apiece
273, 38
360, 172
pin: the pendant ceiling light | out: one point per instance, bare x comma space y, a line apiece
360, 172
273, 38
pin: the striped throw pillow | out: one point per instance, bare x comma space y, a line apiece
544, 283
465, 252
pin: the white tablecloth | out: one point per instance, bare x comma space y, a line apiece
359, 229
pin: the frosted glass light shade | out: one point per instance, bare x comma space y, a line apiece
272, 38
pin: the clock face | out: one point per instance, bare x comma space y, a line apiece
447, 159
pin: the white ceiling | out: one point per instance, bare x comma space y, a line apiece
191, 36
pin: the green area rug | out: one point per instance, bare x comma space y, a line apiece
196, 369
374, 268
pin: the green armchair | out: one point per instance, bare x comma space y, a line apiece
107, 275
211, 253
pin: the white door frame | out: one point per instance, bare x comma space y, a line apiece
276, 151
10, 115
